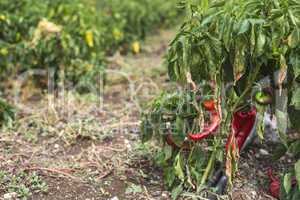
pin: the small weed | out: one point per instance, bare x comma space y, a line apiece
133, 189
24, 184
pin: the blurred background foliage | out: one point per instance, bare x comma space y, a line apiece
75, 35
72, 38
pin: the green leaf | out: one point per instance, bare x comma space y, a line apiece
287, 182
133, 189
296, 195
296, 99
294, 38
260, 43
169, 176
244, 27
176, 192
279, 152
295, 148
297, 172
294, 117
146, 130
260, 126
168, 152
295, 61
179, 137
282, 122
257, 21
178, 167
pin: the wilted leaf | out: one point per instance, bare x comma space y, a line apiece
282, 73
239, 64
232, 157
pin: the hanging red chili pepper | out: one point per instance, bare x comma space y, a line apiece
243, 124
209, 105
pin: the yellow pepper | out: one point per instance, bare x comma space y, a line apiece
89, 38
136, 47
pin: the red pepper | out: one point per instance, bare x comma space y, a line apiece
170, 141
209, 105
214, 118
241, 127
274, 185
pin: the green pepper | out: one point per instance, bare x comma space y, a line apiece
263, 97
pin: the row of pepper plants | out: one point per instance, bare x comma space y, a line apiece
74, 36
221, 52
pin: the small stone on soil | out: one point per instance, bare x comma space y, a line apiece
10, 196
263, 152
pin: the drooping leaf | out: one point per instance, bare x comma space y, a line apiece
294, 117
296, 99
146, 130
244, 27
168, 152
294, 148
282, 121
260, 43
282, 73
295, 62
294, 38
279, 152
176, 192
179, 167
287, 182
239, 63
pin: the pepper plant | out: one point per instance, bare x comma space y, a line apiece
225, 48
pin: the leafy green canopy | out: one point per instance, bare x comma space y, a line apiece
241, 42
